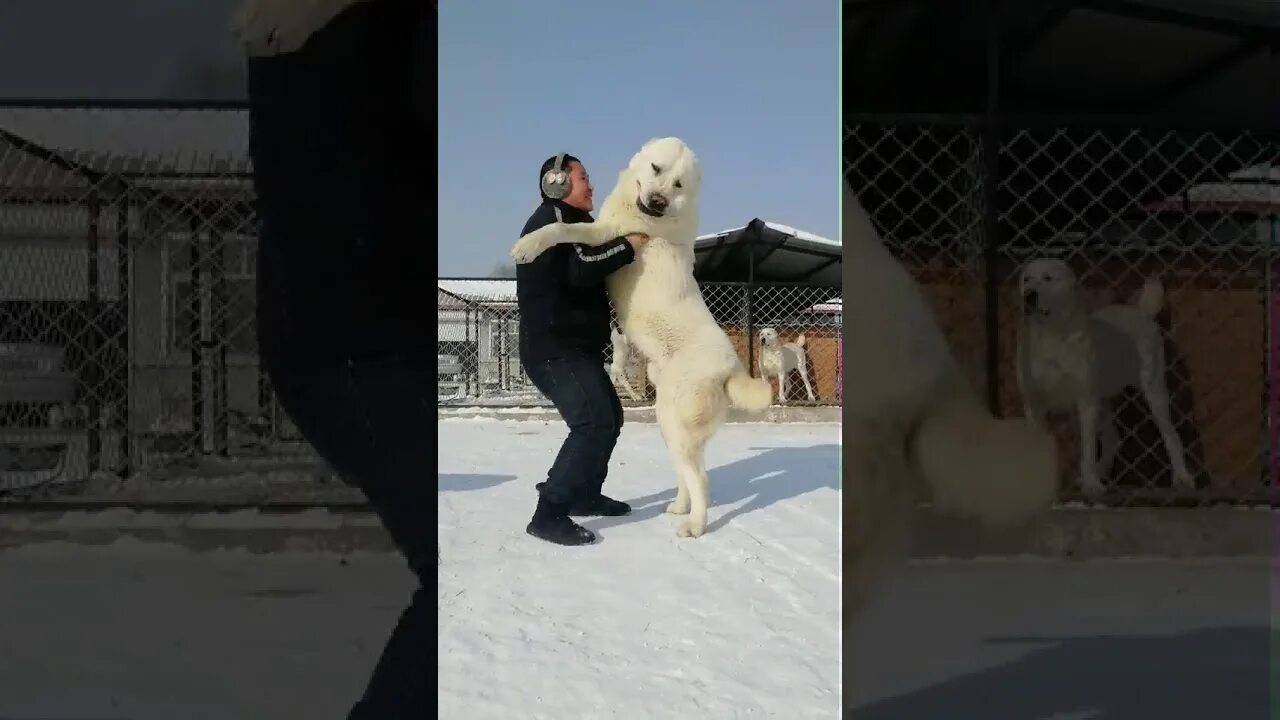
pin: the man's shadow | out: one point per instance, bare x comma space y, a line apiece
458, 482
1211, 673
775, 474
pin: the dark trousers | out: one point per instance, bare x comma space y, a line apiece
578, 385
337, 134
373, 423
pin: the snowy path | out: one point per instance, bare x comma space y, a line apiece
741, 623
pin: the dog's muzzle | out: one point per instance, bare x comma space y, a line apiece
655, 206
1030, 301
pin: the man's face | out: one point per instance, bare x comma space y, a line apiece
579, 188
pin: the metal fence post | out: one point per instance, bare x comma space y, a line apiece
93, 378
990, 144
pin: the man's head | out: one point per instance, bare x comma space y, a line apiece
579, 195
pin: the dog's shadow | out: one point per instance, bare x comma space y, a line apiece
775, 474
459, 482
1215, 672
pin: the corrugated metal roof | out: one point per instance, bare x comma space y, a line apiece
138, 141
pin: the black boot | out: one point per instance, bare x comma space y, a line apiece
596, 505
551, 523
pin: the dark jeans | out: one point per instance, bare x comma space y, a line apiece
578, 385
337, 142
373, 423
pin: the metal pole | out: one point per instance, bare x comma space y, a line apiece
749, 240
92, 377
990, 210
125, 303
196, 338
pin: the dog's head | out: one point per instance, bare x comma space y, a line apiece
667, 178
768, 336
1048, 288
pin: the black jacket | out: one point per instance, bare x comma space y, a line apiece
561, 294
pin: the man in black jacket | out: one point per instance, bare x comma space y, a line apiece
335, 131
564, 329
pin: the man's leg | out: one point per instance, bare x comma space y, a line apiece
327, 125
581, 392
369, 422
593, 501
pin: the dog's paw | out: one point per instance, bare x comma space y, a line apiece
1184, 481
1092, 487
692, 530
526, 250
678, 508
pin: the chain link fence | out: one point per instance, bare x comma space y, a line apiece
787, 333
968, 206
128, 363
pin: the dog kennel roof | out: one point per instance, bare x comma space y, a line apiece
1199, 61
768, 252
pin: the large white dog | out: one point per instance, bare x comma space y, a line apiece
1069, 357
692, 364
916, 427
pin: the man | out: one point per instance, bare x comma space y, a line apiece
564, 328
339, 91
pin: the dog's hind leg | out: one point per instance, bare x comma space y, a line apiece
679, 506
1088, 411
686, 421
804, 375
1157, 397
1108, 440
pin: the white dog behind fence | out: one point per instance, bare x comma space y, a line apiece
1069, 357
779, 360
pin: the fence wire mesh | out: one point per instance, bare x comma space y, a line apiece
786, 333
128, 363
973, 210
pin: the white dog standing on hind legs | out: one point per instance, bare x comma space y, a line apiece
917, 428
692, 363
1068, 357
779, 359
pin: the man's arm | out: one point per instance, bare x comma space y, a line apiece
591, 265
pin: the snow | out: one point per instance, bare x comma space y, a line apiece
481, 291
743, 622
156, 632
1020, 638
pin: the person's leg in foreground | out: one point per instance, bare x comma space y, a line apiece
581, 391
336, 128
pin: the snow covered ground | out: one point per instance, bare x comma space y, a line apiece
1040, 640
741, 623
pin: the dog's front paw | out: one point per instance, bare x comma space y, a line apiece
678, 508
526, 249
1184, 481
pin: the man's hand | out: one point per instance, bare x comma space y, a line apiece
637, 240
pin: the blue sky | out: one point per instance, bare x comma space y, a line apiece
751, 85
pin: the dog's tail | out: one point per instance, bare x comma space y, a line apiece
1000, 472
748, 393
1150, 299
799, 341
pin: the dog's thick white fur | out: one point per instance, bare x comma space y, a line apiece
1071, 358
779, 359
915, 425
621, 363
692, 364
